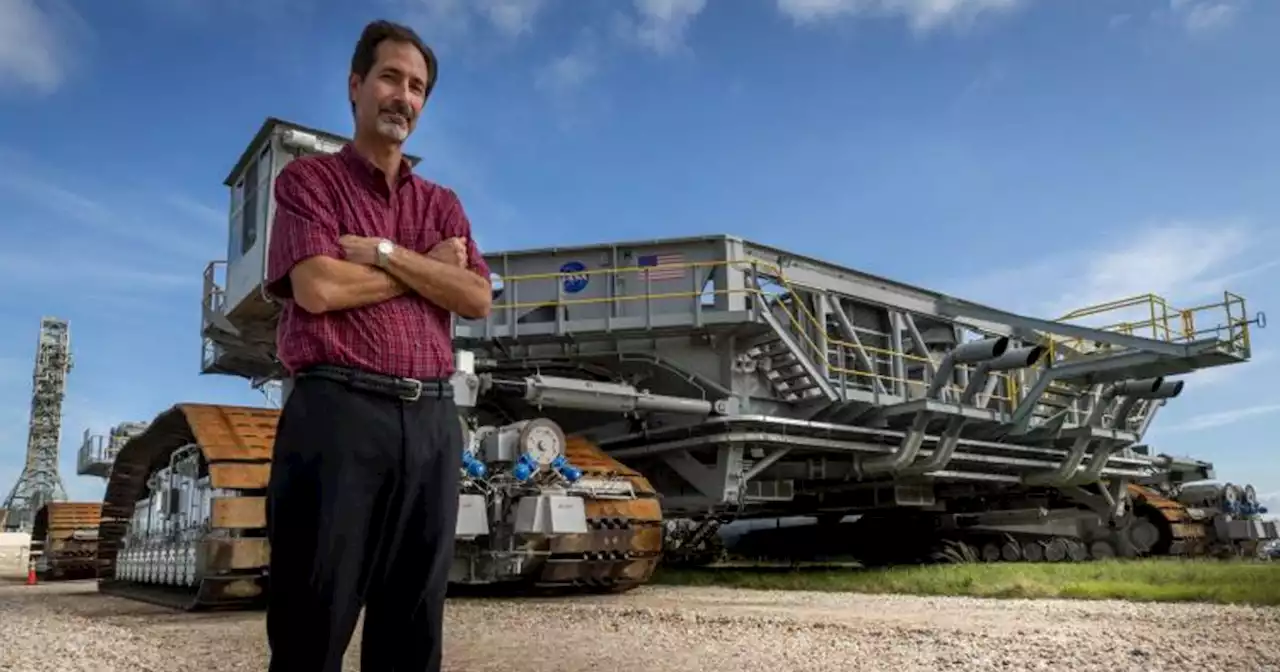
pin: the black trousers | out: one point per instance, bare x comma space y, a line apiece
361, 511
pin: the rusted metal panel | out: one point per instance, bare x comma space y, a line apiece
65, 517
635, 509
239, 475
646, 538
232, 433
624, 545
232, 513
220, 555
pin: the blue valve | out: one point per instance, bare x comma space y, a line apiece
570, 472
474, 467
525, 468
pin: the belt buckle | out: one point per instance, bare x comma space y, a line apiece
416, 386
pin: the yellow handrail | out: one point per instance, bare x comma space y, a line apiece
1163, 322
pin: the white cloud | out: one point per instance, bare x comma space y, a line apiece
36, 43
663, 24
1203, 17
1270, 500
448, 21
197, 211
51, 200
922, 16
1222, 418
86, 271
511, 17
569, 71
1184, 262
1219, 375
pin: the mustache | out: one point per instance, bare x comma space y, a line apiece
399, 108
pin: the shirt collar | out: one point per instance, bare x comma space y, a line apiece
366, 169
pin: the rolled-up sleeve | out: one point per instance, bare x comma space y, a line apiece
305, 225
457, 224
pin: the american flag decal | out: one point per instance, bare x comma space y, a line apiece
661, 266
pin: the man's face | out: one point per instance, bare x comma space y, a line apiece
390, 98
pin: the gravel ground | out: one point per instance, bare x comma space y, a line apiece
68, 626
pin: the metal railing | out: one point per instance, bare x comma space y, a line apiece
1157, 319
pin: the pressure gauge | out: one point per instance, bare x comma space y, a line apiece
542, 440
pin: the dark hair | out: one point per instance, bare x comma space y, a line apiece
366, 52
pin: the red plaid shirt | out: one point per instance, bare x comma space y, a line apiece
322, 197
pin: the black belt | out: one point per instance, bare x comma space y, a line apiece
408, 389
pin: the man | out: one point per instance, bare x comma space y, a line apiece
369, 261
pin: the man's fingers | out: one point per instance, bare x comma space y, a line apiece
450, 251
459, 250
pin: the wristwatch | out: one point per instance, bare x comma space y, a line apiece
385, 248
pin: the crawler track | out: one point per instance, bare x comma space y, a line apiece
1175, 531
620, 552
65, 533
625, 542
212, 595
235, 443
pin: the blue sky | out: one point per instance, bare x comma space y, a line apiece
1035, 154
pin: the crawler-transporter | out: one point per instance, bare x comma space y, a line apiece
705, 378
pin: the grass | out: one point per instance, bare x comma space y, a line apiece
1155, 580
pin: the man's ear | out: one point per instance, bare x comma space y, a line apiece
353, 83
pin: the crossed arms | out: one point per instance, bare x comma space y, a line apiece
310, 262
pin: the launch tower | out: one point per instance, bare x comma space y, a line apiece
40, 482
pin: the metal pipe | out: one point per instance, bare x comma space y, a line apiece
1167, 389
1065, 473
1097, 461
839, 446
1135, 388
1018, 358
950, 439
979, 351
589, 395
967, 353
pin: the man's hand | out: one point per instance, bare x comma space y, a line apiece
360, 250
451, 251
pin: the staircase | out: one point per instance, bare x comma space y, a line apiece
789, 379
787, 356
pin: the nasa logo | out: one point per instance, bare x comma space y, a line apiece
575, 277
